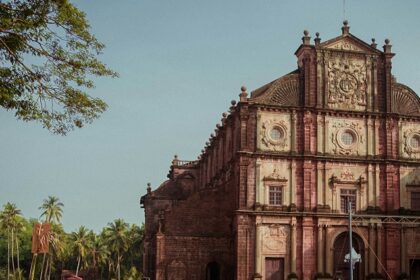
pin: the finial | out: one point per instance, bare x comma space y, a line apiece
346, 28
211, 135
175, 156
387, 46
373, 45
202, 151
243, 95
306, 38
233, 102
218, 125
224, 115
149, 188
317, 39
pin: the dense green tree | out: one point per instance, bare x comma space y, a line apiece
48, 57
114, 253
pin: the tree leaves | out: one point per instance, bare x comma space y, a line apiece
48, 59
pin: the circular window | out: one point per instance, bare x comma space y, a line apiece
276, 133
415, 141
348, 138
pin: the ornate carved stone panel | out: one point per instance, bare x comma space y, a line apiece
345, 45
274, 132
274, 239
347, 137
410, 141
347, 83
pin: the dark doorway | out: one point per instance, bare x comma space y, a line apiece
213, 271
274, 268
415, 269
341, 248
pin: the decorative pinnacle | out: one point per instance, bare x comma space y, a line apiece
224, 115
317, 39
243, 94
387, 46
233, 102
373, 43
175, 156
149, 188
346, 28
306, 38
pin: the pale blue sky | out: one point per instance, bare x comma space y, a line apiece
181, 63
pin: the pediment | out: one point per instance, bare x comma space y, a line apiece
348, 43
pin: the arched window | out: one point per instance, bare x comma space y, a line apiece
213, 271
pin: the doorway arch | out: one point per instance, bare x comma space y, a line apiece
213, 271
341, 248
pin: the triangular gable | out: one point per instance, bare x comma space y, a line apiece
348, 42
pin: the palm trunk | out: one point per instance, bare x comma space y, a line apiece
118, 265
13, 254
42, 267
44, 277
8, 253
49, 269
78, 265
17, 257
33, 266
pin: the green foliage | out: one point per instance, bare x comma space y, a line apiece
113, 254
48, 58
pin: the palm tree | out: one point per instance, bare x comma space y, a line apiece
10, 220
82, 245
117, 240
52, 212
52, 209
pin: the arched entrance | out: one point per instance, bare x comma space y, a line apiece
341, 248
213, 271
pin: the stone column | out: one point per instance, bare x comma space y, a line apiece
328, 253
293, 183
258, 261
293, 246
258, 196
320, 185
320, 249
293, 132
372, 258
379, 247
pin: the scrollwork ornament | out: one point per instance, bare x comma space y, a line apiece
411, 139
347, 84
276, 144
354, 131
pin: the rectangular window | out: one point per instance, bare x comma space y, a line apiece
347, 195
275, 195
415, 201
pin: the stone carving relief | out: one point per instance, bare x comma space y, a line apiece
347, 84
274, 135
411, 143
274, 239
346, 137
275, 176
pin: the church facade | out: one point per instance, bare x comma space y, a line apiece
269, 196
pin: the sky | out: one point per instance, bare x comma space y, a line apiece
180, 64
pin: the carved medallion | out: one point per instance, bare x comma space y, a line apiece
274, 239
346, 137
274, 135
411, 143
347, 84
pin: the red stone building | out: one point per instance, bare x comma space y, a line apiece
267, 198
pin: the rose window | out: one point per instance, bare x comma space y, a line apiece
276, 134
415, 141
